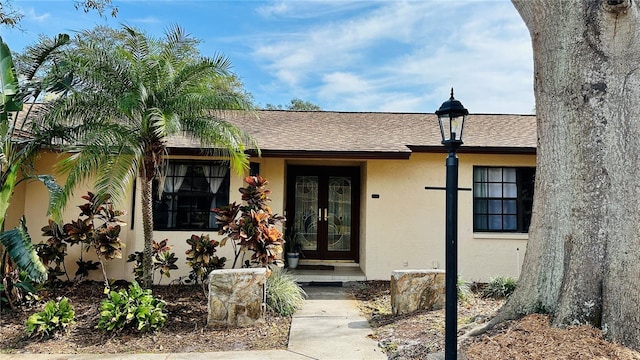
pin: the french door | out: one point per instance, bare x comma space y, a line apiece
323, 204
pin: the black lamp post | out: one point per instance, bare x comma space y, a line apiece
451, 116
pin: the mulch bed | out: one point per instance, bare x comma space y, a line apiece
412, 336
184, 331
417, 335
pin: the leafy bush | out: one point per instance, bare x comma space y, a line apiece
55, 316
252, 226
201, 257
284, 295
163, 260
52, 252
499, 287
97, 227
135, 308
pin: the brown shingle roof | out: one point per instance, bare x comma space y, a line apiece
376, 134
372, 134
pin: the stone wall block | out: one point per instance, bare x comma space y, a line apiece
236, 296
413, 290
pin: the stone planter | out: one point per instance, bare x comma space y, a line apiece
413, 290
236, 296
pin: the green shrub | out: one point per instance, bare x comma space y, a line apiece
135, 308
499, 287
55, 316
284, 295
464, 290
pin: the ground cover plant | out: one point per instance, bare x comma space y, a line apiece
133, 307
56, 315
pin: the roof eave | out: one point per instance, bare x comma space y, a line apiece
308, 154
476, 149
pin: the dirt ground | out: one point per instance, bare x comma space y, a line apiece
416, 335
411, 336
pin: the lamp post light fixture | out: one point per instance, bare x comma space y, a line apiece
451, 117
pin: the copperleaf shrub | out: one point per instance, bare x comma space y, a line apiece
133, 308
253, 226
201, 257
84, 267
163, 260
97, 228
52, 252
56, 316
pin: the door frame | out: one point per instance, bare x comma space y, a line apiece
324, 172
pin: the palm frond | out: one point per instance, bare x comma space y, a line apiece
221, 138
55, 192
117, 176
42, 52
17, 243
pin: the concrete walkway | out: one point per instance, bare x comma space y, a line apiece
329, 326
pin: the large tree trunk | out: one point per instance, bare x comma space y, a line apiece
583, 257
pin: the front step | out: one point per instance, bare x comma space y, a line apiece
338, 274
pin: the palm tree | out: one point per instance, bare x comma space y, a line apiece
23, 131
134, 92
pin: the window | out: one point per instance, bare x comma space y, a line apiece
502, 198
190, 190
254, 169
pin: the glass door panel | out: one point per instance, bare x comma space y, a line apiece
307, 213
339, 214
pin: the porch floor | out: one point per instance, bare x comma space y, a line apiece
338, 274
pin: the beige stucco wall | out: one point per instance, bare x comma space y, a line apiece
402, 229
405, 227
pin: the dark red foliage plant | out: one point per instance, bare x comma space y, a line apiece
253, 226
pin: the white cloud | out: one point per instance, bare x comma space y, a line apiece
30, 14
403, 56
278, 8
146, 20
308, 9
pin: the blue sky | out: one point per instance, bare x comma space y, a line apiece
392, 56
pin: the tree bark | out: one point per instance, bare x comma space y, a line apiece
583, 256
147, 228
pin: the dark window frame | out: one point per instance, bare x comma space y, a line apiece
191, 204
502, 205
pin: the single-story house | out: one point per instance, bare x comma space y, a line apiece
364, 190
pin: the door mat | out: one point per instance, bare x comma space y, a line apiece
315, 267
